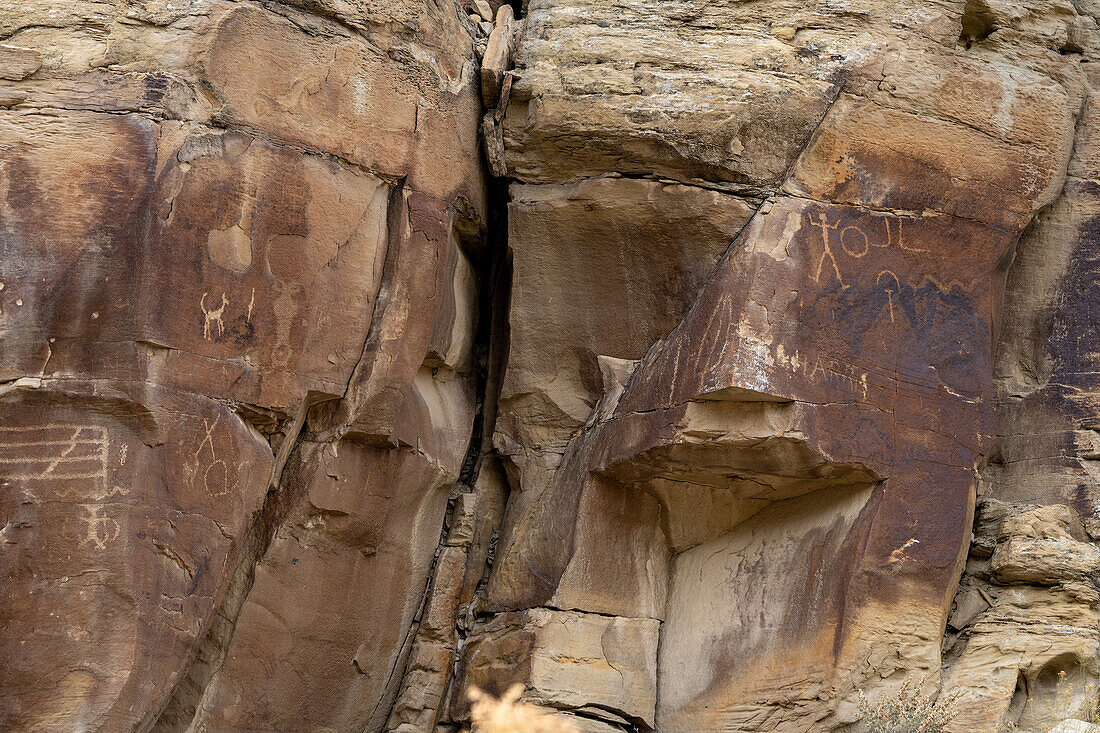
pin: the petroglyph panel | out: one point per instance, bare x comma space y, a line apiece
267, 319
100, 496
56, 459
825, 303
877, 329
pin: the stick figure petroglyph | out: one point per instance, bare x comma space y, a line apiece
212, 317
823, 224
215, 475
855, 243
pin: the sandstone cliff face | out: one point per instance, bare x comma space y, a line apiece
653, 355
239, 308
786, 481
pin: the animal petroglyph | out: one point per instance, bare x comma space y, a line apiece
213, 325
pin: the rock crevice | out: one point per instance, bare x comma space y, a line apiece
654, 356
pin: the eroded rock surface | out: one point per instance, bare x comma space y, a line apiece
653, 355
1027, 607
239, 301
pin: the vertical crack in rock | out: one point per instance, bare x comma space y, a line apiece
180, 709
298, 453
431, 645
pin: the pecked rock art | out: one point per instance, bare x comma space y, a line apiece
238, 355
698, 365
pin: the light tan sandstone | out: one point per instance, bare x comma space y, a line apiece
696, 365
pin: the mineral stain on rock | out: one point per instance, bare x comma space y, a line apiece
696, 365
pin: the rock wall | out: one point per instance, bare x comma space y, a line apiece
242, 249
698, 365
787, 480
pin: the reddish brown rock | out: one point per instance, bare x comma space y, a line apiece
238, 313
123, 515
823, 409
761, 362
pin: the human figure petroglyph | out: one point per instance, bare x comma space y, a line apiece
823, 224
212, 317
215, 473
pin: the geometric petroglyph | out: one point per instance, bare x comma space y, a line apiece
63, 462
204, 470
889, 283
102, 529
56, 458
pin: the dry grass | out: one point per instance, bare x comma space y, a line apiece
907, 711
509, 715
1066, 705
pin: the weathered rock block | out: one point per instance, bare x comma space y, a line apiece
570, 660
836, 366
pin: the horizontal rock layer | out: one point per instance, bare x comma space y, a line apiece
695, 365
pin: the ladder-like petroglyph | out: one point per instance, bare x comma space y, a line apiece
57, 456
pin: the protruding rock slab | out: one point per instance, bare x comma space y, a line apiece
878, 326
